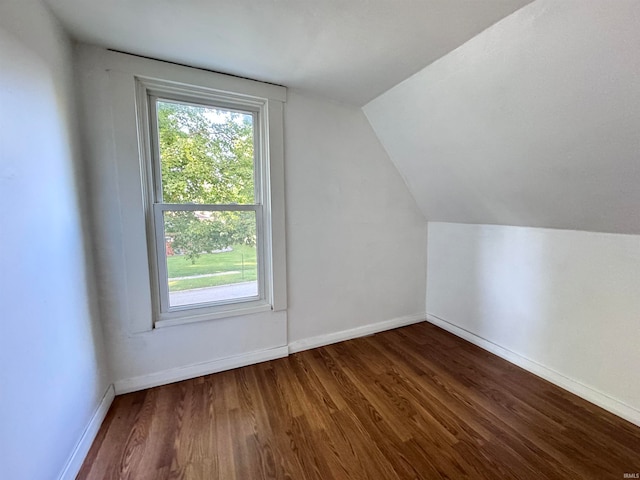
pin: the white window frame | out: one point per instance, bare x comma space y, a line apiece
148, 91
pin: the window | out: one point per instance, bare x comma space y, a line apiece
206, 176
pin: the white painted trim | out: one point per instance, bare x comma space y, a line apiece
191, 371
591, 395
149, 92
81, 449
329, 338
244, 308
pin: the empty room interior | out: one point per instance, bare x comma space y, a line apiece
297, 239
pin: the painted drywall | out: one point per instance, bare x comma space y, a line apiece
355, 241
567, 300
354, 232
52, 367
534, 122
138, 354
347, 50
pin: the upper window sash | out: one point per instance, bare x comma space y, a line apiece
154, 97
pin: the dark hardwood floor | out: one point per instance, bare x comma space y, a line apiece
411, 403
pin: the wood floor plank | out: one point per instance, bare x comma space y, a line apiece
112, 434
411, 403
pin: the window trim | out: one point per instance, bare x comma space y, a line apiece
148, 91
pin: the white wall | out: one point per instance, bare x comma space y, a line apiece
140, 356
52, 368
534, 122
566, 300
355, 237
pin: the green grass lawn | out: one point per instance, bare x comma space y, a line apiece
228, 266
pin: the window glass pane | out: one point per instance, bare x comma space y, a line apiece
206, 154
211, 256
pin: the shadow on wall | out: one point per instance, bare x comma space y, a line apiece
51, 357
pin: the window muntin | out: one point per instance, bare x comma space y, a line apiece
207, 203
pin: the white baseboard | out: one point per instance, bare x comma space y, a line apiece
329, 338
588, 393
81, 450
191, 371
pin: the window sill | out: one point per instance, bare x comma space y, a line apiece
256, 307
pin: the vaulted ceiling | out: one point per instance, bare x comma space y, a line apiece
348, 50
534, 122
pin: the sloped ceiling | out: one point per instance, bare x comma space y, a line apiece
347, 50
534, 122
